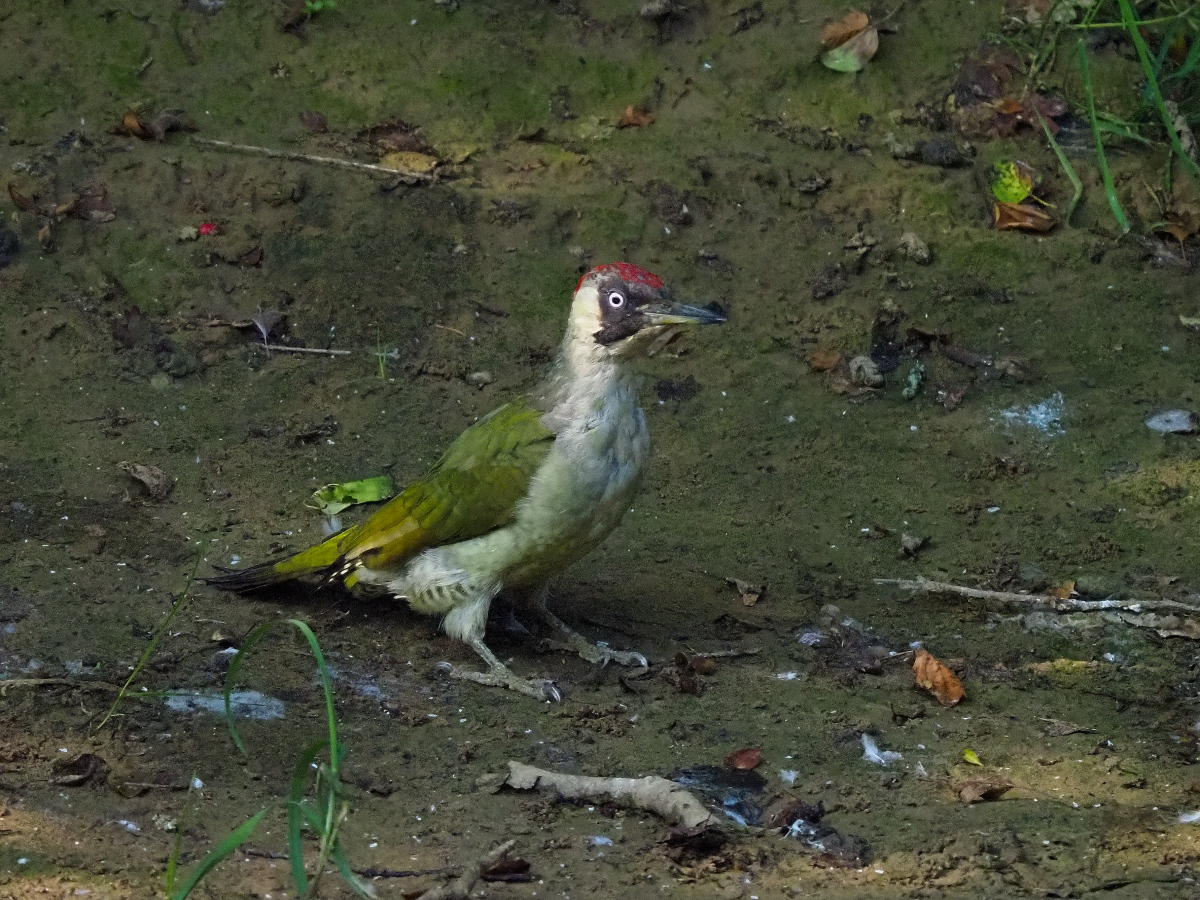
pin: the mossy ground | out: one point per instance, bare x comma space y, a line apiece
116, 347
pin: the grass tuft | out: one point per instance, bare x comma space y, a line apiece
1110, 190
316, 800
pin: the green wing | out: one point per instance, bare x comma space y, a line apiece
473, 489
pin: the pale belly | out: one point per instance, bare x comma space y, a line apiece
576, 499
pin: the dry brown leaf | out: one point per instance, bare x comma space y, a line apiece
511, 869
745, 759
748, 593
933, 676
1063, 591
1176, 226
251, 259
698, 663
975, 789
635, 117
20, 201
823, 359
837, 33
92, 205
131, 125
396, 135
1021, 217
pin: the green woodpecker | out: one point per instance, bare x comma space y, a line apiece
521, 494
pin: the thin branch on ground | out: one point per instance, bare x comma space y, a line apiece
310, 158
726, 654
1037, 601
654, 794
320, 350
460, 887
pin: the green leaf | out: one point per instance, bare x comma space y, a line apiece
1010, 182
972, 757
333, 498
841, 60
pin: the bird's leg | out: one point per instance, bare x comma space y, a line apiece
500, 675
598, 653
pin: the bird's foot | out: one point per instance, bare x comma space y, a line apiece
597, 653
501, 676
601, 654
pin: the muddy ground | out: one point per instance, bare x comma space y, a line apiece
764, 182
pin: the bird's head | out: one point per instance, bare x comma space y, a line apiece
625, 311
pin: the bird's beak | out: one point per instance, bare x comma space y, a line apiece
682, 314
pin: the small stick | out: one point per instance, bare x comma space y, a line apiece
307, 157
925, 586
652, 793
726, 654
460, 887
306, 350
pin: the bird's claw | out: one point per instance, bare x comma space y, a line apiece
537, 688
602, 655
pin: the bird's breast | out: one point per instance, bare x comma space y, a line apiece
582, 489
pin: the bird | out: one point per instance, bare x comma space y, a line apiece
521, 494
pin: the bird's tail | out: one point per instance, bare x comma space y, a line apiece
319, 560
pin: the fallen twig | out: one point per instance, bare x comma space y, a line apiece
726, 654
1038, 601
460, 887
654, 794
320, 350
308, 157
371, 872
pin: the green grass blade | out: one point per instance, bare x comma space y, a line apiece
249, 643
173, 861
1164, 47
1110, 190
297, 813
153, 645
327, 686
233, 840
1131, 24
351, 877
1066, 167
1121, 129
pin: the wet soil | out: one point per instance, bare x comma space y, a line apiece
764, 182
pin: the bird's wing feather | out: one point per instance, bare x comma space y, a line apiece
473, 489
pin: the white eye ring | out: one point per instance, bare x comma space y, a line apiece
616, 299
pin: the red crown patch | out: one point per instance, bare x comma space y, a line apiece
626, 272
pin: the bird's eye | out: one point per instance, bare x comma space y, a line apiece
616, 299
